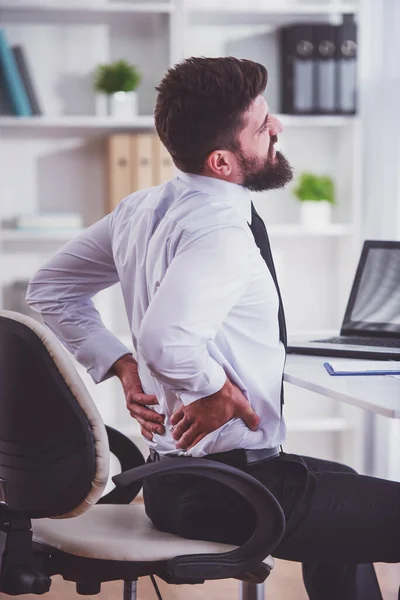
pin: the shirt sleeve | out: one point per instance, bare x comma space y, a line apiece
203, 282
62, 292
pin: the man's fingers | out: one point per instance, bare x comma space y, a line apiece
180, 429
196, 440
188, 437
146, 434
143, 399
151, 427
144, 413
251, 419
176, 417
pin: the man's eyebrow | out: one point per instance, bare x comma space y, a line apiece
263, 123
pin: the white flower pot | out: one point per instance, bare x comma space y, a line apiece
316, 215
123, 105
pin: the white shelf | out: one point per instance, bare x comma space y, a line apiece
272, 7
14, 235
334, 230
276, 13
316, 120
74, 124
91, 8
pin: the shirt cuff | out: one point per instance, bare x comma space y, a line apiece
99, 352
216, 379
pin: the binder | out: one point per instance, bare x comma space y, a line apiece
119, 169
24, 71
12, 80
141, 149
164, 168
324, 36
298, 72
347, 65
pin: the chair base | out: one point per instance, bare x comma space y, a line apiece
130, 590
251, 591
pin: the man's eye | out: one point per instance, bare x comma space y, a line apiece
264, 128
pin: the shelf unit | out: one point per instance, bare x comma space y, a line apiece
63, 155
18, 9
75, 123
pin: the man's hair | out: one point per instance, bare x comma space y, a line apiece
200, 107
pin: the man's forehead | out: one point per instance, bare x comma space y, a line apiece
257, 112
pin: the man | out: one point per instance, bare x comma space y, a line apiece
200, 291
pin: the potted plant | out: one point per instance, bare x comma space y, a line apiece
116, 84
317, 195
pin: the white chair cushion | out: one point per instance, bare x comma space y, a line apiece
119, 532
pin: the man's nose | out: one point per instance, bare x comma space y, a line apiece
275, 126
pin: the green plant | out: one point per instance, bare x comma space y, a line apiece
119, 76
315, 188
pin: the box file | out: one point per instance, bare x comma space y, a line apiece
141, 148
297, 63
119, 169
347, 65
163, 166
324, 37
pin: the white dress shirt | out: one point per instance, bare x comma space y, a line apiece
200, 300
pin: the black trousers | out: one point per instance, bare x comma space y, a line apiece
337, 522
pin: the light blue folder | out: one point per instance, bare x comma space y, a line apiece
361, 367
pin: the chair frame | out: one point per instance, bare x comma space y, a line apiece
27, 567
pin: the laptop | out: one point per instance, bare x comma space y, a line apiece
371, 324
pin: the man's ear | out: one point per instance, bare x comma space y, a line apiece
220, 164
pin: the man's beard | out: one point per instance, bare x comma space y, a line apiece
262, 175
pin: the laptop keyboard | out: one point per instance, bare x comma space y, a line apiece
362, 341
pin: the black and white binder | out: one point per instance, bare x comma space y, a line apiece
324, 36
297, 61
347, 65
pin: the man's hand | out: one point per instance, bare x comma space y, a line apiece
193, 422
126, 368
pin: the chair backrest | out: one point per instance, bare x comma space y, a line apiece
54, 454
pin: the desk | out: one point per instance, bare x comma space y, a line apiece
377, 394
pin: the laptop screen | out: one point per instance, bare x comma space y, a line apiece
374, 304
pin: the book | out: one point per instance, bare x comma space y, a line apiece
25, 73
12, 80
363, 367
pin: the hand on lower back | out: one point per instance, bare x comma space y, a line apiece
193, 422
136, 400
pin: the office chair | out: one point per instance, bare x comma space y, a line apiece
54, 461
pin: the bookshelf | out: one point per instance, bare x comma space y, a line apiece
17, 9
63, 158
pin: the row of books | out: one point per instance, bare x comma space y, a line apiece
319, 68
136, 161
17, 92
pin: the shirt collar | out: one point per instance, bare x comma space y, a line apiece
238, 196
